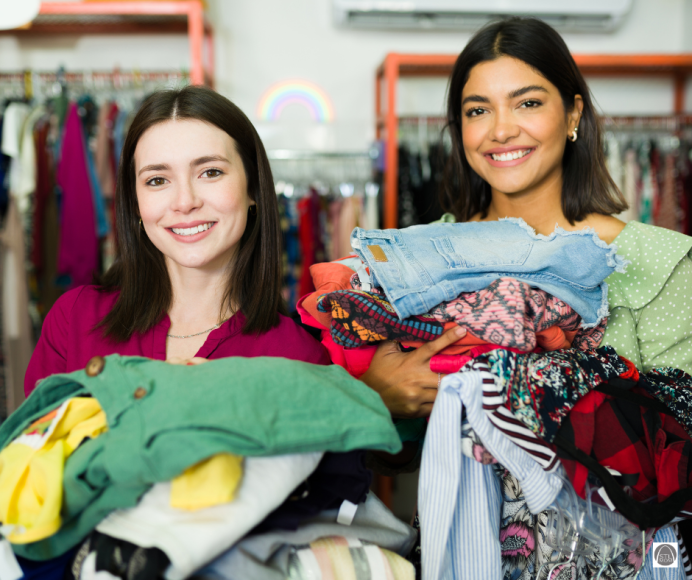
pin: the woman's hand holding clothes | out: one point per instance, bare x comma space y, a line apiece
403, 379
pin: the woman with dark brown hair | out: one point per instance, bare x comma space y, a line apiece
198, 265
527, 143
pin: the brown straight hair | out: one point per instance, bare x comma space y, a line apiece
586, 184
139, 271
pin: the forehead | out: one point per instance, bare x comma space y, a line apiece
182, 139
503, 75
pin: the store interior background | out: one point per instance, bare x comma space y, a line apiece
261, 42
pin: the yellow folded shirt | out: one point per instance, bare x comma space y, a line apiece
211, 482
31, 468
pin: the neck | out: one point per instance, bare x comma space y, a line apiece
541, 207
197, 298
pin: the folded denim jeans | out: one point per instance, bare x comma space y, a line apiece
422, 266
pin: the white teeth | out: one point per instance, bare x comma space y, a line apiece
192, 231
511, 155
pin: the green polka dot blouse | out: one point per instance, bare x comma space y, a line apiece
650, 319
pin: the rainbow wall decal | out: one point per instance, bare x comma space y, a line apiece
289, 92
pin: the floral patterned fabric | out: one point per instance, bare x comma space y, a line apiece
526, 555
541, 389
673, 388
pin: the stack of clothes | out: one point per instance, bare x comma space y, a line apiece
116, 471
531, 400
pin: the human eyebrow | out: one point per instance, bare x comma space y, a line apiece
475, 99
519, 92
157, 167
206, 159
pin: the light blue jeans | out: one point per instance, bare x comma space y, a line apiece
421, 266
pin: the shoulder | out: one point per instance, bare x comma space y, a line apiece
606, 226
654, 254
85, 299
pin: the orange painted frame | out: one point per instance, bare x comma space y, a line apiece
198, 30
397, 65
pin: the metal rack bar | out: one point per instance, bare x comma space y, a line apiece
85, 21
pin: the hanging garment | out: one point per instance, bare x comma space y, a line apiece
192, 539
16, 331
614, 160
648, 186
14, 119
104, 153
667, 215
424, 266
268, 556
25, 183
78, 249
299, 407
629, 186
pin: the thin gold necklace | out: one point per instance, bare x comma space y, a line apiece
197, 333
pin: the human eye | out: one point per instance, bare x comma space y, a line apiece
531, 103
211, 173
474, 112
156, 181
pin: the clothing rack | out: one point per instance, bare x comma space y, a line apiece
132, 17
29, 84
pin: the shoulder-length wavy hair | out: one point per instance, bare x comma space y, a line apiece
586, 186
139, 271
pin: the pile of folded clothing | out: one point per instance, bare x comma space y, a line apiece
122, 469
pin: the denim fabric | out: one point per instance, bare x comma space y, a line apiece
421, 266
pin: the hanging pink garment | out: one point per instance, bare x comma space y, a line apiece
78, 247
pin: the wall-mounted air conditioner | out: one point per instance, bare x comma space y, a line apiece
565, 15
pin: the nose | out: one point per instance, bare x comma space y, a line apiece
504, 126
185, 198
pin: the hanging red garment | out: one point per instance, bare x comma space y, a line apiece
78, 247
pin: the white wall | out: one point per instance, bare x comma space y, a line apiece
260, 42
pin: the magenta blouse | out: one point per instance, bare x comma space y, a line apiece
68, 340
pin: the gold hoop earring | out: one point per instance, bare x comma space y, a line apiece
253, 209
140, 222
573, 138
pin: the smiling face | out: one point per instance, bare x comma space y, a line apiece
192, 193
514, 126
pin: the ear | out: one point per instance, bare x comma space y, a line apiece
574, 116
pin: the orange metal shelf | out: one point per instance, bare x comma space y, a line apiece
398, 65
156, 17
